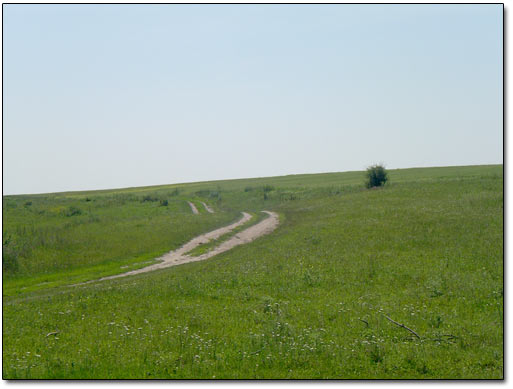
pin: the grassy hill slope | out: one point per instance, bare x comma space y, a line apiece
310, 300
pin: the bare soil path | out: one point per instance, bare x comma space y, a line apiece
193, 208
178, 257
209, 210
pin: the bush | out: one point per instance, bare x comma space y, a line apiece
149, 198
73, 211
163, 203
10, 254
376, 176
267, 188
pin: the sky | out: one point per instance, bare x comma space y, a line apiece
112, 96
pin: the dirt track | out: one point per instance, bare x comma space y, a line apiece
179, 256
193, 208
209, 210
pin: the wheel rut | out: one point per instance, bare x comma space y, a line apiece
179, 256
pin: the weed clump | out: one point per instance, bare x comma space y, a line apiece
175, 192
376, 176
376, 354
164, 203
9, 254
149, 198
73, 211
213, 194
203, 193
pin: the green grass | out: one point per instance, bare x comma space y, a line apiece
109, 234
307, 301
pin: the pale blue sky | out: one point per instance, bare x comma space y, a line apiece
107, 96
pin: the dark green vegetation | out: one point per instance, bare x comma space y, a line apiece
307, 301
376, 176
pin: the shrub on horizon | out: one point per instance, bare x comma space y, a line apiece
376, 176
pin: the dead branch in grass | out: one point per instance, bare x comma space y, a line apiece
402, 325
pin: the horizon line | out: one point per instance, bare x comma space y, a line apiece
233, 179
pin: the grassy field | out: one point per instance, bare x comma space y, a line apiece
310, 300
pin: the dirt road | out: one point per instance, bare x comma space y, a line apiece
179, 256
266, 226
193, 208
209, 210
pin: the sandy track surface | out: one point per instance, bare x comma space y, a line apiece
264, 227
179, 256
193, 208
209, 210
